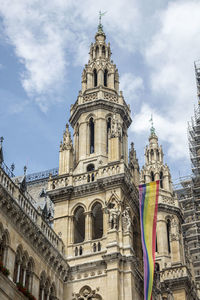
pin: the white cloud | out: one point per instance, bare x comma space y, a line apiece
169, 56
168, 130
50, 37
131, 86
171, 53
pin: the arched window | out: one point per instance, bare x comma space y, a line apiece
29, 273
17, 266
42, 286
168, 235
97, 51
52, 295
161, 180
152, 176
99, 246
91, 126
97, 221
90, 167
103, 52
23, 271
46, 290
157, 154
108, 130
105, 77
2, 248
95, 77
152, 154
79, 225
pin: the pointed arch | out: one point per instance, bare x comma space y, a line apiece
97, 221
105, 77
97, 51
168, 234
95, 77
152, 176
108, 132
161, 179
79, 225
103, 51
91, 133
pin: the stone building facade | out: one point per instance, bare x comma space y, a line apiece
91, 247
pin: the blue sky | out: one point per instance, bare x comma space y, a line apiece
44, 46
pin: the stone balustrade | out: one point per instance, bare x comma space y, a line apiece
174, 273
26, 204
100, 93
76, 180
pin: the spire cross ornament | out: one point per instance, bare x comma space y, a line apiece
100, 26
101, 15
152, 128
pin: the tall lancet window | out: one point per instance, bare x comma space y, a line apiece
168, 235
97, 52
161, 180
91, 125
105, 77
152, 176
108, 129
95, 77
103, 52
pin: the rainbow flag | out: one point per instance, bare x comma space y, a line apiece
148, 217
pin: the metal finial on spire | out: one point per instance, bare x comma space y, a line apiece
1, 140
152, 127
100, 26
25, 169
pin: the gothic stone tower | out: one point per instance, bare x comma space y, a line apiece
173, 270
95, 194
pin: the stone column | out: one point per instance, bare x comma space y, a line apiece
42, 296
83, 148
89, 80
162, 237
71, 229
18, 272
24, 277
111, 81
100, 77
105, 222
88, 225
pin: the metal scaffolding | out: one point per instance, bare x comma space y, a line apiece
188, 190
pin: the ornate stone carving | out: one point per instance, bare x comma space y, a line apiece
168, 200
114, 213
110, 97
115, 127
90, 97
67, 141
126, 219
86, 293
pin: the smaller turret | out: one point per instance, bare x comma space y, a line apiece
66, 153
154, 168
134, 165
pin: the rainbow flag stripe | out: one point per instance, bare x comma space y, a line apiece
148, 217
